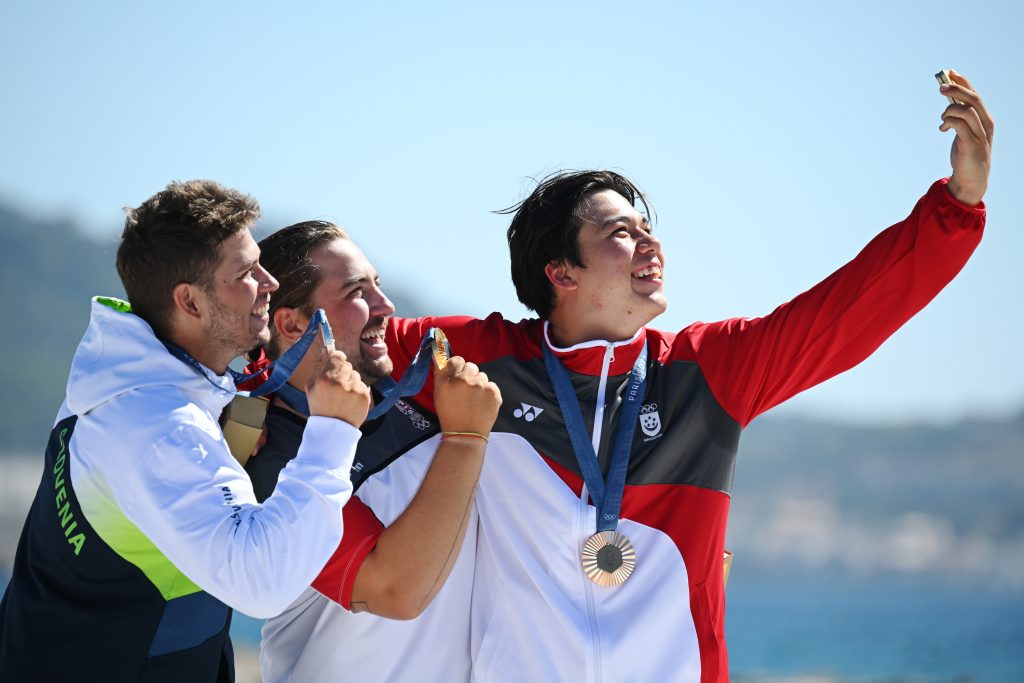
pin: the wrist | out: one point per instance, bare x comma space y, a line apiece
481, 437
962, 194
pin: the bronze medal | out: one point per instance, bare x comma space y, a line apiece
608, 558
440, 348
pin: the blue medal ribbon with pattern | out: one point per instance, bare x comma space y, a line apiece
608, 557
411, 383
282, 368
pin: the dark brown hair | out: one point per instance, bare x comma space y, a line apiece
546, 228
286, 254
172, 237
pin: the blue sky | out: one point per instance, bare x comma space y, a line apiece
775, 139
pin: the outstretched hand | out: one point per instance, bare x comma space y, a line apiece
971, 154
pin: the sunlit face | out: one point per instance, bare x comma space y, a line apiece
622, 281
238, 298
349, 292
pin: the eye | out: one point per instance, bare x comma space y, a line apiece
356, 293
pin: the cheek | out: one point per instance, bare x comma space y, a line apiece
349, 316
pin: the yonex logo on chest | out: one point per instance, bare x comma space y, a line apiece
527, 412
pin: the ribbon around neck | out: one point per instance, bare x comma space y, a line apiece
283, 367
411, 383
607, 495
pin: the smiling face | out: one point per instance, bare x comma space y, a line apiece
358, 311
236, 300
620, 288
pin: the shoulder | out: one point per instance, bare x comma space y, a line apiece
688, 343
477, 339
151, 411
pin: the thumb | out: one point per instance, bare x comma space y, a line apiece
455, 365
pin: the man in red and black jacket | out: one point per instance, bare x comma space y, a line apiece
583, 577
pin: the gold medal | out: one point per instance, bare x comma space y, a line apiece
440, 348
608, 558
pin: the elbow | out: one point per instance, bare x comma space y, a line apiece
398, 602
408, 609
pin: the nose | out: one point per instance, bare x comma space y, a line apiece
381, 304
268, 283
649, 243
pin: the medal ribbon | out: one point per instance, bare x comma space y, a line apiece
607, 496
285, 365
412, 382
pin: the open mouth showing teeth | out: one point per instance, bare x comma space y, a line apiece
375, 336
261, 310
648, 273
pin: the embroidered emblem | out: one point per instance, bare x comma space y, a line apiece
417, 420
650, 420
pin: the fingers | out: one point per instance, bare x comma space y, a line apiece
459, 369
465, 399
332, 364
455, 366
961, 90
338, 391
459, 372
972, 124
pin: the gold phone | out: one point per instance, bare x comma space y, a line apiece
943, 78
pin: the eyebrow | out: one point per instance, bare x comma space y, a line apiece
247, 265
360, 280
622, 218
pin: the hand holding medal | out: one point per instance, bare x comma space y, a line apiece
466, 401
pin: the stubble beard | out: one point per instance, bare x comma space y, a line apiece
371, 370
224, 330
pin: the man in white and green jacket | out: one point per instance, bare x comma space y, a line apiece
145, 531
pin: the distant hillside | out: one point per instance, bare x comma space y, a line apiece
909, 499
49, 270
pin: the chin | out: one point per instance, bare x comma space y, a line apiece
376, 369
261, 338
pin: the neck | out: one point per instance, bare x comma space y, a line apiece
567, 330
199, 349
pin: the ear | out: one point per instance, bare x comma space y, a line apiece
185, 296
289, 324
560, 275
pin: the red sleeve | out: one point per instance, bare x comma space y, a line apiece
362, 529
752, 365
478, 341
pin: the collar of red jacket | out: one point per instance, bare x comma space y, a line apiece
261, 363
587, 358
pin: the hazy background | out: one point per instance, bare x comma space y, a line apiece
878, 520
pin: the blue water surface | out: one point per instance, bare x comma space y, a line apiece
874, 628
